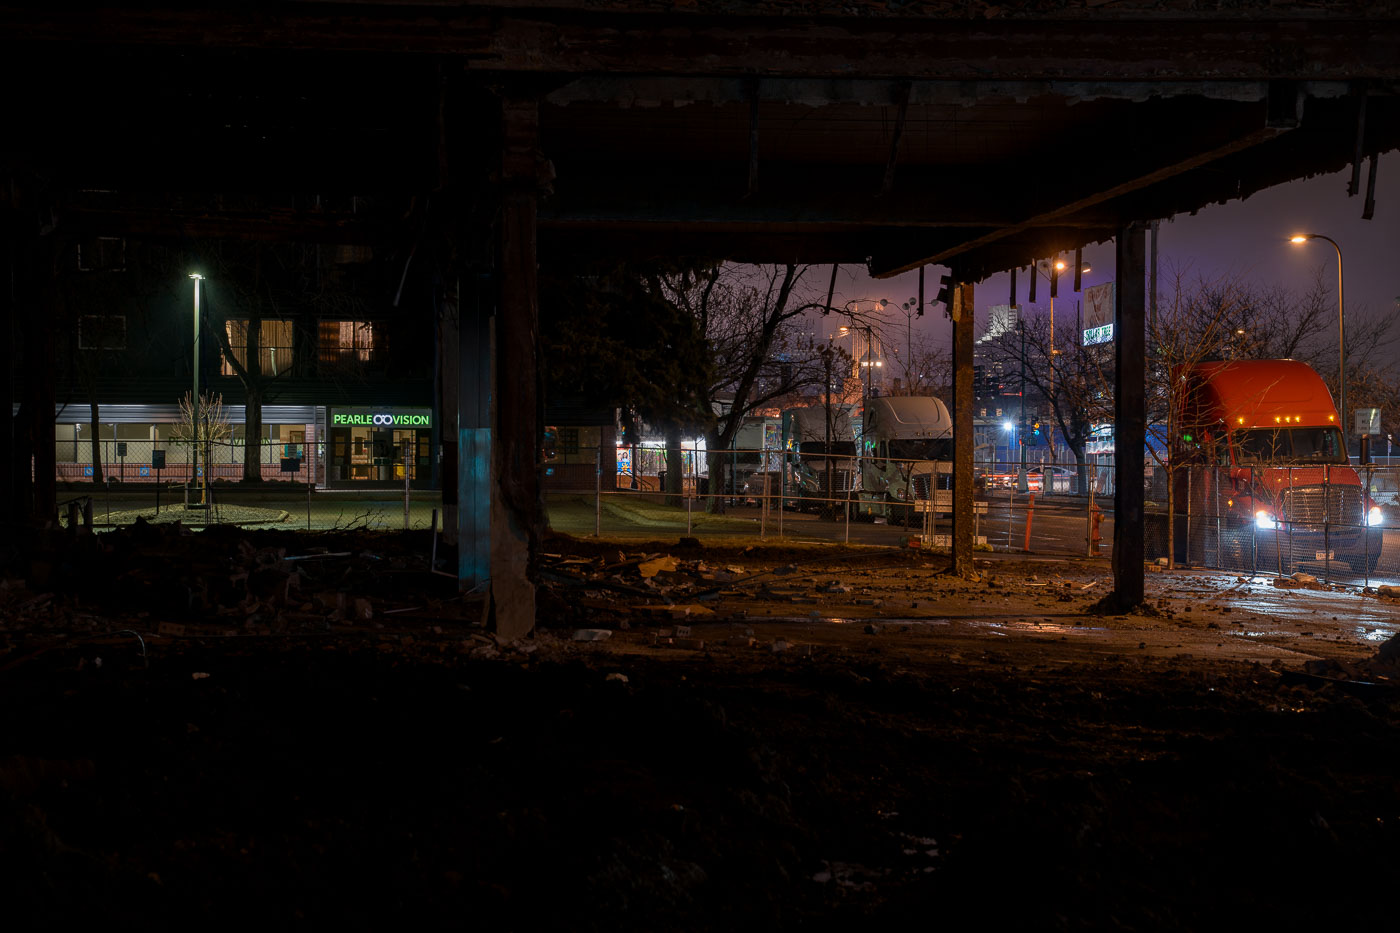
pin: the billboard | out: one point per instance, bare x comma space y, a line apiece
1099, 313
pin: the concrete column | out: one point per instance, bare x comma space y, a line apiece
473, 425
1130, 416
9, 317
515, 502
962, 312
447, 310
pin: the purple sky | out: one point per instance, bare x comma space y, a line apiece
1245, 239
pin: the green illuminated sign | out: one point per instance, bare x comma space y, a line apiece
382, 419
1096, 335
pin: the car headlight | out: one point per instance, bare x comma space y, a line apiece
1374, 516
1265, 521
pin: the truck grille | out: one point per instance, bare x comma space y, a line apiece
1339, 505
840, 478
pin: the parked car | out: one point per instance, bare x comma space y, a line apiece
1061, 479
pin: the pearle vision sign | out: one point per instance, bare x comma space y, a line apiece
370, 418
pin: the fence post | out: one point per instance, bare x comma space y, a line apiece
1326, 524
1253, 528
598, 493
1215, 507
405, 484
1366, 528
763, 511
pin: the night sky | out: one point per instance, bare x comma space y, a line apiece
1245, 239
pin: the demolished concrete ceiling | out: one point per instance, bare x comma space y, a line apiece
971, 135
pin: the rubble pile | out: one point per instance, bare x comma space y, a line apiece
222, 581
1381, 669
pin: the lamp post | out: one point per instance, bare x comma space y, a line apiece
1300, 238
194, 403
1051, 269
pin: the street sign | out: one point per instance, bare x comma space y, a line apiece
1366, 420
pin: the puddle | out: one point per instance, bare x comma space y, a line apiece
880, 620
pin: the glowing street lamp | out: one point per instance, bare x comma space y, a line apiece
194, 404
1300, 238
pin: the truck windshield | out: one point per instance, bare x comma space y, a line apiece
1290, 445
817, 448
920, 449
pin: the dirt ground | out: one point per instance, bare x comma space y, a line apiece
235, 726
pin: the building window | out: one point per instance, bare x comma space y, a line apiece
567, 440
102, 332
275, 350
347, 342
102, 254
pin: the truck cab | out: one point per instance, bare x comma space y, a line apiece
823, 465
906, 454
1265, 459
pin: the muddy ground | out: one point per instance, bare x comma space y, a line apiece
316, 729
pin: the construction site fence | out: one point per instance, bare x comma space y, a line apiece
163, 461
1339, 523
1046, 509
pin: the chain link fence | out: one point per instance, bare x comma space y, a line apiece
163, 461
1338, 523
1341, 524
1043, 509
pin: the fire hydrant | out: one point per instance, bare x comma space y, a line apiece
1095, 519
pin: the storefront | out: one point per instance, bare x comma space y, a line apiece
377, 446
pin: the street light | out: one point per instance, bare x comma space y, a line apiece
1051, 270
194, 403
1300, 238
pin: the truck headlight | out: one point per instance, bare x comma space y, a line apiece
1265, 521
1374, 516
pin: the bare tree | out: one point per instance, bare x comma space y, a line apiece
1067, 383
750, 318
201, 430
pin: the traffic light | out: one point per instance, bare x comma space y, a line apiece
1037, 429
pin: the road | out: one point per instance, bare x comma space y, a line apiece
1057, 528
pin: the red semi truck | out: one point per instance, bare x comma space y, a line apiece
1268, 481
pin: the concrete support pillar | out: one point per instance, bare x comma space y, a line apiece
9, 317
1130, 416
961, 308
447, 311
473, 424
515, 502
